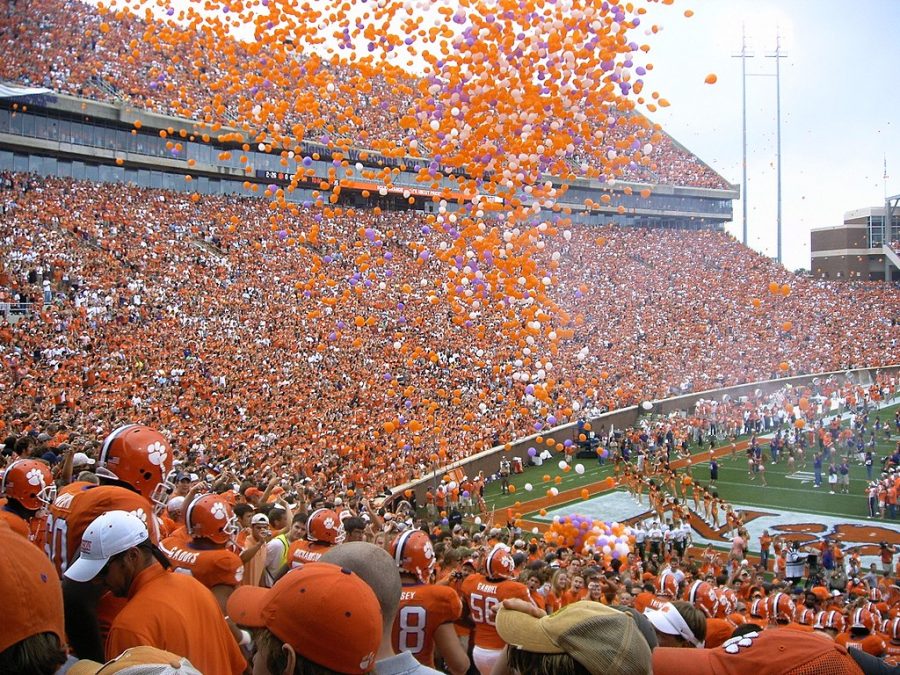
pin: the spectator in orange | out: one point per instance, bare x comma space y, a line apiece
32, 637
169, 611
293, 614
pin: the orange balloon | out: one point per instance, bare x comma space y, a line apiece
786, 326
512, 489
711, 79
585, 493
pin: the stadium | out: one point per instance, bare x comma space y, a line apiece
442, 363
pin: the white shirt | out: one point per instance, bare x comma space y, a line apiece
275, 551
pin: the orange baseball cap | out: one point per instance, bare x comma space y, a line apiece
307, 601
820, 592
771, 652
31, 592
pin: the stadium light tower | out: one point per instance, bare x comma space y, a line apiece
778, 54
743, 55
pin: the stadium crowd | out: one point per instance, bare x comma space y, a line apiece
252, 350
289, 396
262, 571
197, 385
67, 51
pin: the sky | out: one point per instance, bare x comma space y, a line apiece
840, 106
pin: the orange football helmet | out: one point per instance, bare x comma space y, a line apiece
780, 608
30, 483
873, 608
728, 602
210, 517
759, 609
413, 553
831, 619
499, 563
702, 595
667, 585
893, 629
325, 527
862, 619
141, 458
805, 616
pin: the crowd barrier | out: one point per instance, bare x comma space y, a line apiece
488, 461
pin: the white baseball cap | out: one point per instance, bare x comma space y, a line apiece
259, 519
111, 533
81, 459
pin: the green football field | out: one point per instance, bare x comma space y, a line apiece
793, 492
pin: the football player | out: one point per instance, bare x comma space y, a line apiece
212, 526
482, 594
28, 489
134, 471
323, 530
427, 611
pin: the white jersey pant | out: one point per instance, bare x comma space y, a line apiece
485, 659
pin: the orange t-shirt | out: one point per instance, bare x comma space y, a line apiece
717, 631
571, 596
16, 523
553, 602
423, 609
211, 567
177, 613
871, 644
483, 598
76, 507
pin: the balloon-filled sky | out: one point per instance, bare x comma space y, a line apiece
518, 89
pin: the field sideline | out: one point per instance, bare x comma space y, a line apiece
794, 492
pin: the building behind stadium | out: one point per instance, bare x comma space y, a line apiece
865, 247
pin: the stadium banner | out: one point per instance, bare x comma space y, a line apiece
11, 91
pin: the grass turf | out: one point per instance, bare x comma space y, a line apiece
734, 484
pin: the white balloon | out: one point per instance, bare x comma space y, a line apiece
528, 487
579, 469
562, 465
478, 520
553, 492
